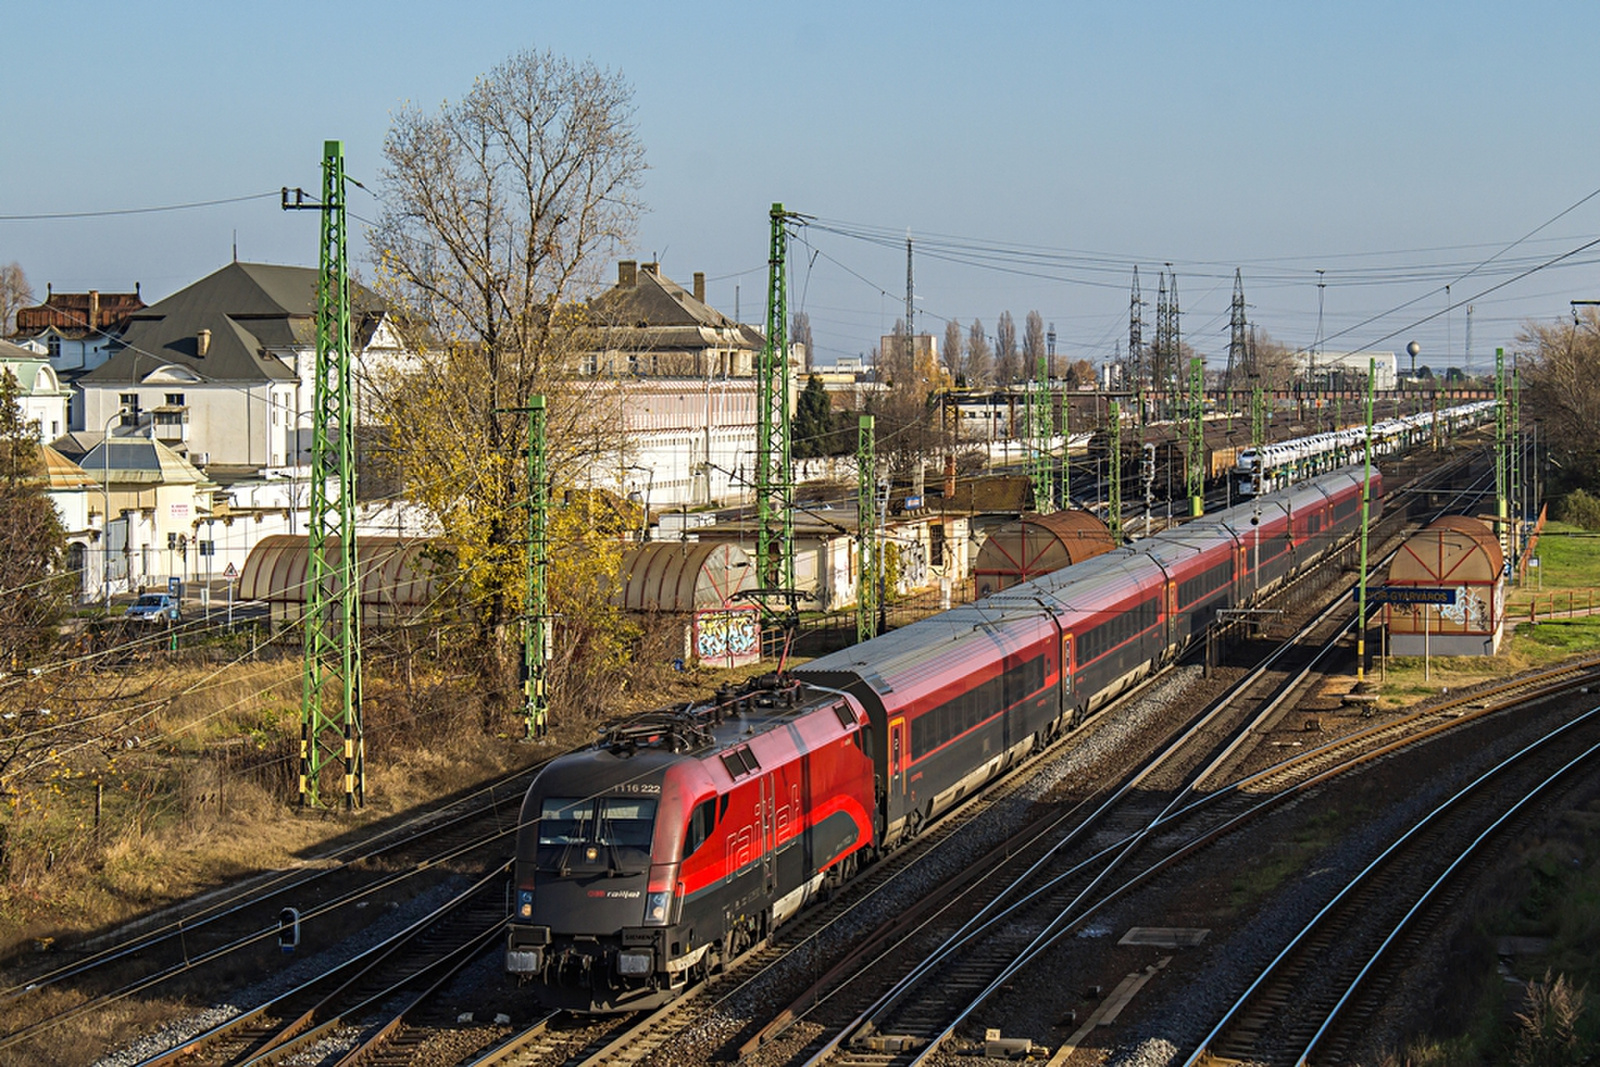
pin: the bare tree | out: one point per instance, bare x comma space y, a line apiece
15, 293
1007, 363
980, 358
501, 211
800, 333
954, 345
1561, 376
1033, 346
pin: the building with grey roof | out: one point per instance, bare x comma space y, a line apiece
222, 371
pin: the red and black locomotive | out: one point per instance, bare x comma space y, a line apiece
681, 838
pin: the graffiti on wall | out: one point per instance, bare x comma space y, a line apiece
728, 638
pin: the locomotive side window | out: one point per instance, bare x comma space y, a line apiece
702, 820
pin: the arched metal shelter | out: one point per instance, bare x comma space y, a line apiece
1035, 545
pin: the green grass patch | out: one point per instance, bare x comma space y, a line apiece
1314, 836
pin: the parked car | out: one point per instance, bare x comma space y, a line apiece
154, 607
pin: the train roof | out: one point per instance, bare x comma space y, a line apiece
920, 654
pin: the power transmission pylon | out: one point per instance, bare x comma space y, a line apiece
1161, 357
774, 457
1137, 356
866, 529
1236, 334
332, 672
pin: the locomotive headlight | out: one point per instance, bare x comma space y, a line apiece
634, 963
524, 903
655, 908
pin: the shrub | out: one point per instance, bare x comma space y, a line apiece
1581, 509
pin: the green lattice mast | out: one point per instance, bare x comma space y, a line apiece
1197, 438
866, 529
774, 465
1501, 510
536, 603
1039, 426
330, 705
1114, 473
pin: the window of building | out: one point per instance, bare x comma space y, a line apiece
175, 400
53, 346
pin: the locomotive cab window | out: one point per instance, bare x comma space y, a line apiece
621, 822
702, 820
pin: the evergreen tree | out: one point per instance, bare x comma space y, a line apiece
32, 540
813, 421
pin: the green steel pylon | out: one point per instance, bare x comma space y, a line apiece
1366, 524
330, 705
1038, 414
536, 603
866, 529
774, 457
1114, 473
1500, 451
1197, 439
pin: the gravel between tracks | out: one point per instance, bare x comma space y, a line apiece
296, 971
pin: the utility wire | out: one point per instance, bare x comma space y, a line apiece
51, 215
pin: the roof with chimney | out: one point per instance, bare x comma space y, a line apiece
78, 315
645, 299
230, 325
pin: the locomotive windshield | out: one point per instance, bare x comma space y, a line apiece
615, 822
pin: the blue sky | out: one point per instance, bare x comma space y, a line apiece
1395, 146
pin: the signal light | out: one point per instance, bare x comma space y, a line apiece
288, 929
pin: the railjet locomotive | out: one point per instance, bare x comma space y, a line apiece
681, 838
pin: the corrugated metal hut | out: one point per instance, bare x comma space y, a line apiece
1033, 545
699, 582
1454, 552
397, 582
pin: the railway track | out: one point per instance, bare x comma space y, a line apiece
246, 918
771, 955
1315, 994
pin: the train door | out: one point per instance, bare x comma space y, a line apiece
1069, 709
897, 764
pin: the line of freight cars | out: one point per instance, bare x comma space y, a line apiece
683, 837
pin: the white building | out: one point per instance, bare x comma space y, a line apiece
223, 371
1345, 370
43, 399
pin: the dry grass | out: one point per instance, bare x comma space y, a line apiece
206, 795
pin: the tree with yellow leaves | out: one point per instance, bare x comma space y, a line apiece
501, 209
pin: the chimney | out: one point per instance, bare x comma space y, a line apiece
627, 274
700, 286
651, 268
202, 343
94, 310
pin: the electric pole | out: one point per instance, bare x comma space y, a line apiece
332, 672
774, 455
866, 529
